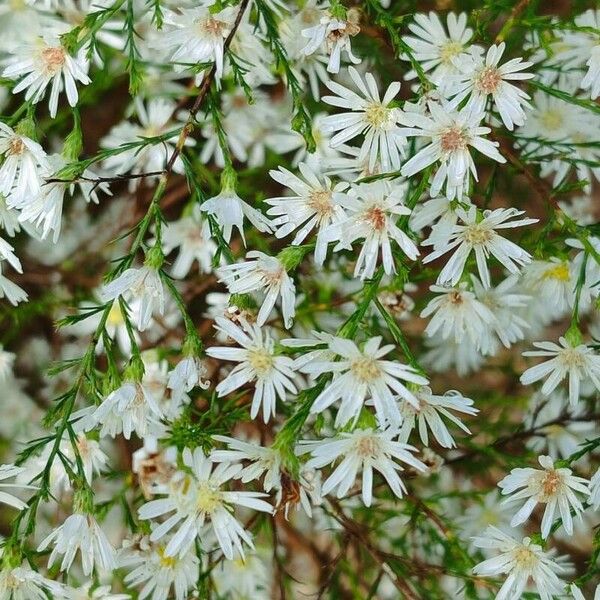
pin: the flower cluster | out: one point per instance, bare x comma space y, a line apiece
299, 298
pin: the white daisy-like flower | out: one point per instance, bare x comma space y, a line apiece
196, 35
23, 583
333, 35
190, 235
360, 375
158, 573
440, 53
485, 77
579, 363
23, 167
8, 289
595, 490
457, 312
591, 79
504, 302
526, 565
128, 409
46, 63
372, 212
6, 472
428, 413
478, 234
364, 450
156, 118
266, 274
187, 374
315, 204
553, 283
272, 374
229, 210
142, 284
80, 532
557, 488
195, 497
450, 132
369, 115
243, 579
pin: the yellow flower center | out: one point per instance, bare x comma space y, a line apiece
559, 272
261, 361
115, 316
477, 234
168, 562
552, 119
525, 558
320, 202
16, 146
571, 357
449, 50
208, 499
378, 116
365, 369
368, 447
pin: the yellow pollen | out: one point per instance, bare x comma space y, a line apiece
571, 357
525, 557
477, 234
449, 50
378, 116
320, 202
559, 272
168, 562
368, 447
453, 139
366, 369
53, 59
207, 499
551, 119
488, 80
261, 361
115, 316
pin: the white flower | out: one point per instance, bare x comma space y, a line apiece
191, 236
591, 80
315, 203
595, 490
187, 374
577, 595
451, 132
479, 235
372, 212
258, 363
559, 432
370, 116
229, 211
90, 591
143, 284
158, 573
44, 63
428, 413
249, 578
552, 282
197, 498
197, 35
80, 532
6, 472
484, 78
554, 487
365, 450
334, 35
22, 583
579, 363
360, 375
504, 303
23, 166
457, 311
266, 274
524, 563
130, 408
439, 53
156, 119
